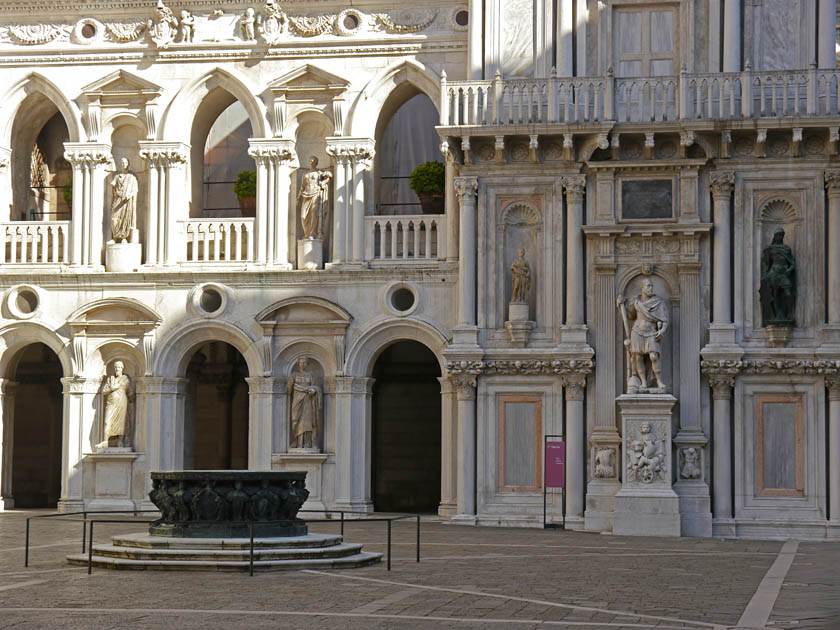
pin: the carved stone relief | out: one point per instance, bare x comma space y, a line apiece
690, 466
646, 448
605, 458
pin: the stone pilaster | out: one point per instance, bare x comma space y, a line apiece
832, 383
8, 389
449, 449
166, 163
465, 386
79, 398
353, 443
575, 328
574, 384
261, 394
6, 202
467, 188
732, 36
165, 432
271, 228
88, 161
832, 183
452, 206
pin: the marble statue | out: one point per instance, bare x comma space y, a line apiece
646, 456
305, 406
648, 313
314, 200
520, 278
247, 25
187, 26
690, 463
778, 282
117, 394
123, 204
162, 31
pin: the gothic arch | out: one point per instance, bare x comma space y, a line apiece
35, 83
177, 348
364, 351
367, 109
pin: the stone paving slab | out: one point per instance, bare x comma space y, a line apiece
469, 577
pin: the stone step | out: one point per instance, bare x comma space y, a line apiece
226, 555
147, 541
347, 562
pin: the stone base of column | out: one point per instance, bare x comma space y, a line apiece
464, 336
722, 336
448, 509
575, 335
519, 332
723, 528
600, 505
646, 505
832, 530
575, 523
354, 506
70, 505
464, 519
695, 509
123, 257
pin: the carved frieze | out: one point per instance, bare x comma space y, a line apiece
713, 368
567, 368
34, 34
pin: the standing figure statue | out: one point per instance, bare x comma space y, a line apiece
520, 278
117, 393
124, 205
649, 315
778, 282
187, 26
305, 406
314, 200
246, 23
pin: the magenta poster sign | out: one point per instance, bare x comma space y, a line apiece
555, 465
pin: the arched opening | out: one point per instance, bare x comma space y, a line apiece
405, 138
41, 177
219, 153
36, 428
216, 409
406, 429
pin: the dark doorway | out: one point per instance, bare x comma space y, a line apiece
406, 429
216, 409
36, 449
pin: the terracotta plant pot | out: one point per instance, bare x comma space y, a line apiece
248, 206
432, 203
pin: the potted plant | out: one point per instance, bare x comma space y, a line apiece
428, 181
245, 189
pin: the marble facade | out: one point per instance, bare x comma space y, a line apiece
607, 157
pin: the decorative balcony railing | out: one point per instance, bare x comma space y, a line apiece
687, 96
219, 240
413, 238
34, 242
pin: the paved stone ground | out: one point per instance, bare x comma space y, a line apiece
468, 578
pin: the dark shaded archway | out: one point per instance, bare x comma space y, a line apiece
216, 409
37, 428
406, 429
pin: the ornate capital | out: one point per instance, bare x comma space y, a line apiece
721, 385
164, 154
832, 182
467, 189
575, 385
721, 183
270, 149
357, 150
721, 374
575, 185
465, 385
832, 384
85, 155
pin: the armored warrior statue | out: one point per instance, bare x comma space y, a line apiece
649, 315
778, 282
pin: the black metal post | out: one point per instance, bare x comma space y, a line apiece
84, 534
389, 544
90, 549
26, 553
342, 523
418, 538
251, 526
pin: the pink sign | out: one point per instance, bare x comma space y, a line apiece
555, 465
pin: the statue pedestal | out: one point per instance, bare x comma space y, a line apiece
108, 472
646, 505
518, 326
311, 253
518, 311
311, 461
123, 256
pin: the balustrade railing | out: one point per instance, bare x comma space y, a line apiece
687, 96
219, 240
410, 238
34, 242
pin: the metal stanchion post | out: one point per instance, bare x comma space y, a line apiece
252, 548
84, 534
342, 523
90, 549
26, 553
389, 544
418, 538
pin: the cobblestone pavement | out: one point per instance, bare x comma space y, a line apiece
468, 578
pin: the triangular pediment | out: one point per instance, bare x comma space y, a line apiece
122, 83
309, 78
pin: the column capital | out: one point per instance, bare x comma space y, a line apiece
575, 385
354, 385
832, 182
832, 384
89, 154
721, 183
358, 150
465, 385
80, 385
264, 384
164, 154
266, 149
466, 189
721, 375
721, 385
575, 185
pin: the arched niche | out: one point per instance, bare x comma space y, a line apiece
311, 130
521, 226
100, 365
126, 134
319, 366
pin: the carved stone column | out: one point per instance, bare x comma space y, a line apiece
449, 449
8, 388
261, 392
721, 381
833, 385
79, 403
164, 422
353, 397
722, 183
575, 386
575, 329
87, 217
467, 188
352, 191
166, 162
360, 162
465, 385
271, 228
451, 204
6, 202
832, 183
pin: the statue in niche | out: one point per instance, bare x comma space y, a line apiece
520, 278
246, 24
314, 200
124, 205
274, 22
649, 316
305, 406
164, 29
778, 282
646, 456
187, 26
117, 393
690, 468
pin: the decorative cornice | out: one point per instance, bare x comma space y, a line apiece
271, 149
80, 155
713, 368
569, 369
359, 150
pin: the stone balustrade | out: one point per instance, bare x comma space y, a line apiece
687, 96
219, 240
409, 238
34, 242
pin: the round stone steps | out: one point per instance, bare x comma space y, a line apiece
148, 541
226, 555
346, 562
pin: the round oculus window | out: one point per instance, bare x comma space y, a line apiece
210, 300
403, 299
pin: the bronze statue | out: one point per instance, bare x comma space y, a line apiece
778, 282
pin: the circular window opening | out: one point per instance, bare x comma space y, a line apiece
462, 18
26, 301
88, 31
351, 22
402, 299
210, 300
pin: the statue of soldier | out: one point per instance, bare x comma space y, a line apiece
778, 282
648, 313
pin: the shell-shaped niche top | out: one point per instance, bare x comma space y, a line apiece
521, 214
779, 211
